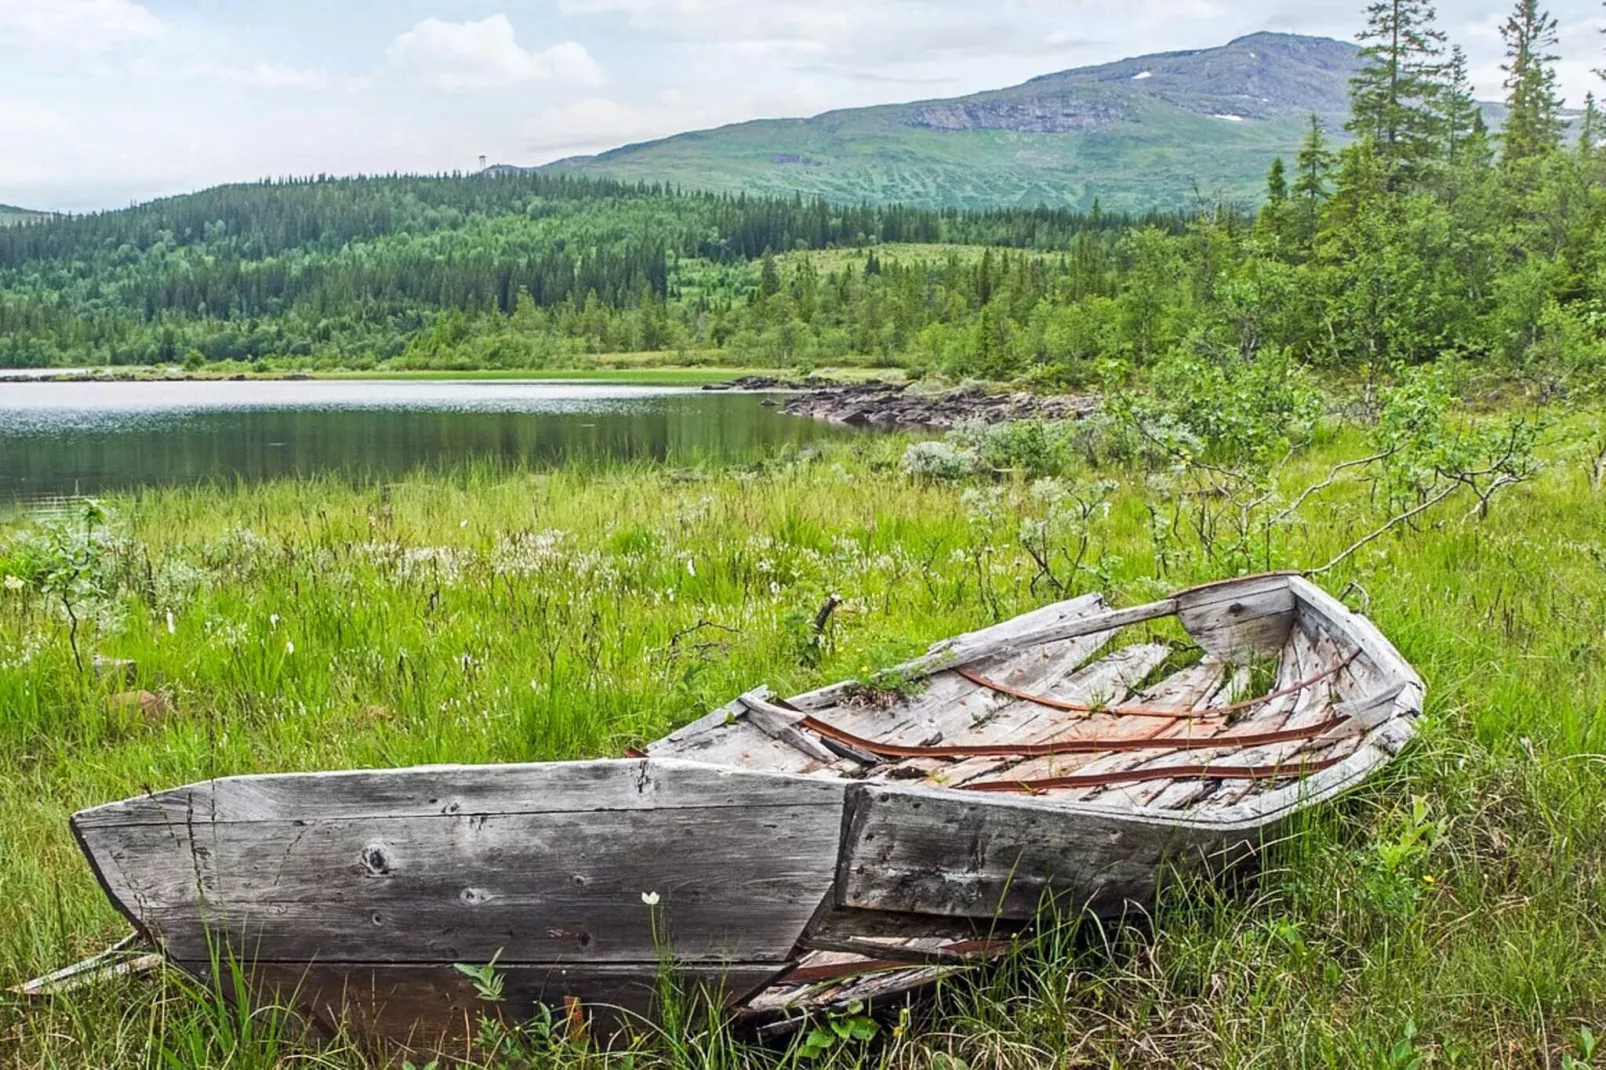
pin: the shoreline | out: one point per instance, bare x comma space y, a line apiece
894, 406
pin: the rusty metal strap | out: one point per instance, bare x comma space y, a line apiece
1137, 776
1146, 711
1093, 745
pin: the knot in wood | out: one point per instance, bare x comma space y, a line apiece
374, 860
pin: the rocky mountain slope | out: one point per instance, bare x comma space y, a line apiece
1150, 132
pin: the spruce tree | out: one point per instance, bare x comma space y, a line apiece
1315, 166
1533, 126
1394, 95
1589, 126
1274, 216
769, 278
1465, 135
1277, 182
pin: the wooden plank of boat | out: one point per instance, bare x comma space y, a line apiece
389, 879
1006, 636
729, 736
1110, 680
1234, 619
949, 706
1190, 689
937, 851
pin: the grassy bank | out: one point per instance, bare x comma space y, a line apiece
500, 615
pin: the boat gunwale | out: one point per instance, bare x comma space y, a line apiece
1376, 745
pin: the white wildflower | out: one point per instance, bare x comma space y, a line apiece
172, 628
289, 647
650, 898
691, 567
273, 621
14, 584
464, 524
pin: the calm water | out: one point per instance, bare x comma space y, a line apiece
59, 439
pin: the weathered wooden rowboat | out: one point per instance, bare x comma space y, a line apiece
788, 855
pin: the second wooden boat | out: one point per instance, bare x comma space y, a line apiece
781, 855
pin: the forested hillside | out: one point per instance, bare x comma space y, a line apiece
1428, 236
357, 270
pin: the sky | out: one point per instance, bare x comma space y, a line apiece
107, 102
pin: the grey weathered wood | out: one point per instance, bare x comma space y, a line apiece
1005, 635
845, 923
365, 888
443, 791
1322, 611
781, 724
1235, 619
955, 710
783, 1007
948, 853
1188, 690
1110, 680
959, 655
741, 861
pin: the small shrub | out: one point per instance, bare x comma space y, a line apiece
940, 461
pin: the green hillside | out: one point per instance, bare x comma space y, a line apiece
1149, 132
10, 215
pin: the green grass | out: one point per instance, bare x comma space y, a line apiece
495, 615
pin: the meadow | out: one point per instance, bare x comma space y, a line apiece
1450, 913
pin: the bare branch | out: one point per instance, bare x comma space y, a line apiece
1385, 529
1332, 477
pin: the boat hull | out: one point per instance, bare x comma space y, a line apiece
354, 898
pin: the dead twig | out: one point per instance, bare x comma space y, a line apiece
823, 617
1395, 521
1332, 477
116, 961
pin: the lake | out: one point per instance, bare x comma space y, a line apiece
64, 439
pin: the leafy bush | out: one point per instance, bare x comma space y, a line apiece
940, 461
1032, 447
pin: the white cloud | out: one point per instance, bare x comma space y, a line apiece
267, 75
89, 25
594, 124
485, 55
883, 31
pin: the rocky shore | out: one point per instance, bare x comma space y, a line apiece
894, 405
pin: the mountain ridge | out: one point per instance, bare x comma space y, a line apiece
10, 214
1151, 131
